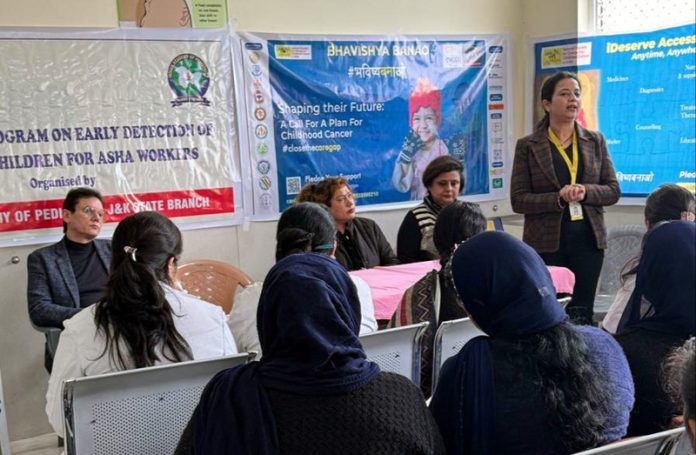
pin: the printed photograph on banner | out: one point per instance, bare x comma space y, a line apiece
589, 88
172, 13
148, 136
639, 91
376, 112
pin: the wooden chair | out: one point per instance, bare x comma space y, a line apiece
212, 281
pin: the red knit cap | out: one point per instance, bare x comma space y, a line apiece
424, 95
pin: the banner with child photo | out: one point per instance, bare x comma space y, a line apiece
375, 111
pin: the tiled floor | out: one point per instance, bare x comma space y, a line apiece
46, 444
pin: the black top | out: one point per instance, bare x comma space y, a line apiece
646, 351
563, 176
351, 252
386, 416
363, 245
408, 240
560, 166
89, 271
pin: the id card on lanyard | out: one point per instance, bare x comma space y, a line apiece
575, 208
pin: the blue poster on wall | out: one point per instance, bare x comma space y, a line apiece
375, 111
639, 90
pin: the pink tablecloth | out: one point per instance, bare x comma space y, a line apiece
388, 284
563, 279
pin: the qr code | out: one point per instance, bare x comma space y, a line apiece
293, 185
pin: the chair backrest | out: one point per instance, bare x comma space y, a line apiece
681, 446
141, 411
660, 443
4, 434
623, 243
450, 337
212, 281
397, 350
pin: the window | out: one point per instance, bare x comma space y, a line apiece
618, 16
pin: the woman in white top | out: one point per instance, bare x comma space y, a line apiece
143, 320
303, 227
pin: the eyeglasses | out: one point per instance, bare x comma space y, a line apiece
91, 211
344, 197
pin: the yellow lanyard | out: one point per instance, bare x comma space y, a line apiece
572, 165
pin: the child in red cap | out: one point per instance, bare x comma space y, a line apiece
422, 144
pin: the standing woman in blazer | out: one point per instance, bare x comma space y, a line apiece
562, 177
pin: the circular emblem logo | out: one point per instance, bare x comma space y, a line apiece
265, 182
258, 97
260, 113
262, 148
188, 76
263, 166
261, 131
266, 200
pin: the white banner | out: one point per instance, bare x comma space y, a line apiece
147, 117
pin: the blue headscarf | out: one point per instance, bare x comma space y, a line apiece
308, 322
665, 282
507, 289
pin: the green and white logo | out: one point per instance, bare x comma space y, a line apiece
189, 79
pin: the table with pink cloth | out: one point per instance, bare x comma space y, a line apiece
389, 283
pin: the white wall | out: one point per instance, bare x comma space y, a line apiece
21, 348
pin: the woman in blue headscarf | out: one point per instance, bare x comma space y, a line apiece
536, 384
659, 316
313, 391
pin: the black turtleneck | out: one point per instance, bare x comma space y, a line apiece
90, 273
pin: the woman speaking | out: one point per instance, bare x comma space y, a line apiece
562, 177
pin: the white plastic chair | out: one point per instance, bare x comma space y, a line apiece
397, 350
141, 411
450, 337
4, 434
662, 443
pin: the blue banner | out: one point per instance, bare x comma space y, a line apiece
374, 111
639, 90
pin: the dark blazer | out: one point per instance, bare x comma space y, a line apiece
534, 188
52, 293
373, 247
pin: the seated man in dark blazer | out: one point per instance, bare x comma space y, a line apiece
71, 274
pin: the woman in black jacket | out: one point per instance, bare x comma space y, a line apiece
360, 243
